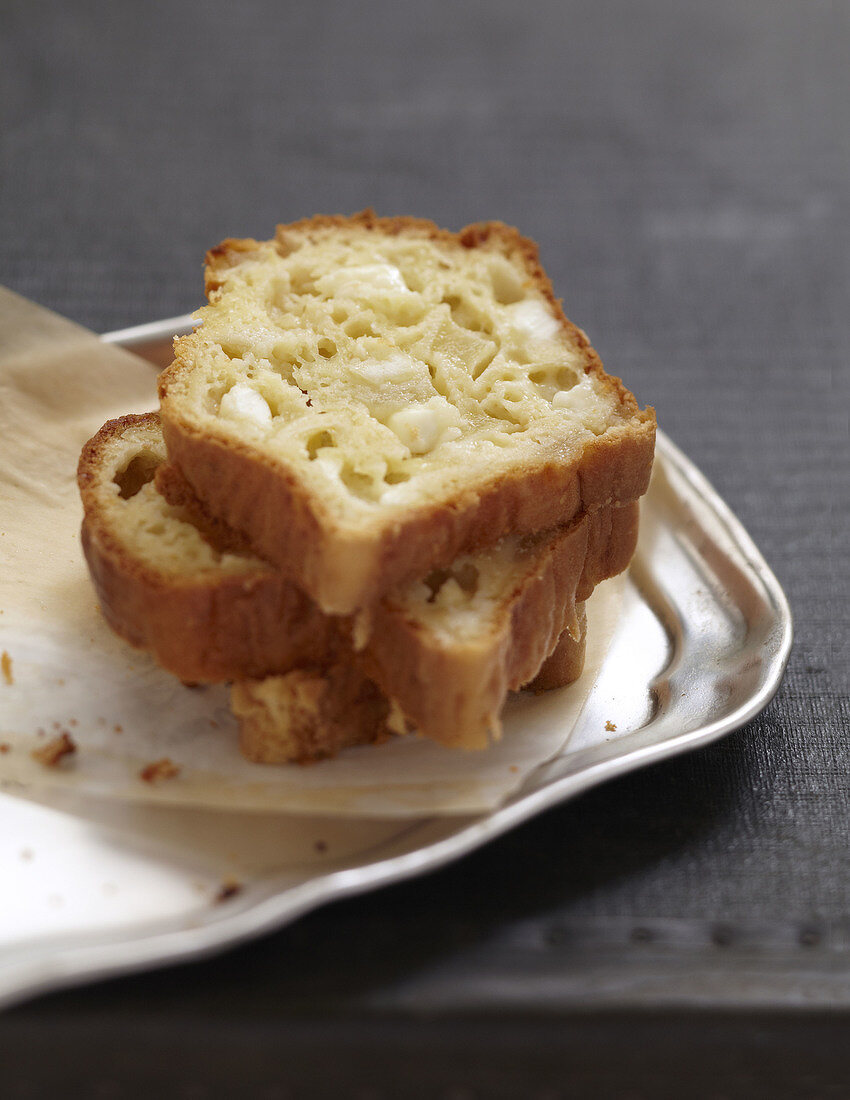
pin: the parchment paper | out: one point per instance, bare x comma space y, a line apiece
67, 672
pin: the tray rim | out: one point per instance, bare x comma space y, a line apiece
278, 907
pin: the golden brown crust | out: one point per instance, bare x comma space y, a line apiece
566, 663
345, 569
230, 252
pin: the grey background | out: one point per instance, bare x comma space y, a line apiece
685, 168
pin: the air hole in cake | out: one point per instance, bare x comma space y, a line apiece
484, 363
327, 348
441, 386
396, 477
316, 442
136, 474
437, 380
284, 362
507, 287
359, 485
561, 378
412, 280
465, 314
302, 281
466, 576
435, 581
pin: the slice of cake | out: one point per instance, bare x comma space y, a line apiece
366, 399
207, 609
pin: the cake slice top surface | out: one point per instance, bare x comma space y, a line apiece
387, 363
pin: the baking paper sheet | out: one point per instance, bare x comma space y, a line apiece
67, 672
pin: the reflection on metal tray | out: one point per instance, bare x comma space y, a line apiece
102, 888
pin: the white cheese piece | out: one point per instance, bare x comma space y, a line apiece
421, 427
395, 368
535, 319
418, 428
252, 342
362, 281
585, 403
245, 404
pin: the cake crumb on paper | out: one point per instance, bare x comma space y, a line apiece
159, 769
6, 668
55, 751
609, 725
229, 889
5, 747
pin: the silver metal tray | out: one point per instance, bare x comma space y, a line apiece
97, 888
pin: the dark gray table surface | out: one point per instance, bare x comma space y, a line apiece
686, 170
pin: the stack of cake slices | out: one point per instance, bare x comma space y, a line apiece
385, 474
